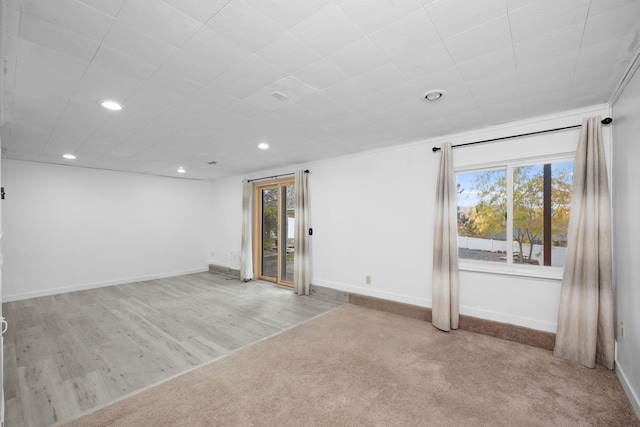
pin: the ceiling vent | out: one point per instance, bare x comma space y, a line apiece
279, 95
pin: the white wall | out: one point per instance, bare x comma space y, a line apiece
68, 228
372, 215
626, 206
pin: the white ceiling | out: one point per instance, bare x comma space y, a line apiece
195, 77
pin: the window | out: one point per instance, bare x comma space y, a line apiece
515, 215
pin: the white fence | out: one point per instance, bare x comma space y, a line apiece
489, 245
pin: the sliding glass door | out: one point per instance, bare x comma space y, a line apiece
275, 219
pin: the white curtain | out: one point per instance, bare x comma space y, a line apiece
301, 261
585, 319
246, 251
445, 304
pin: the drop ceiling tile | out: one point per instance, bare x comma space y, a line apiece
596, 76
603, 6
209, 46
487, 65
45, 83
245, 25
289, 53
563, 64
480, 40
300, 116
107, 136
121, 63
423, 61
321, 104
43, 57
549, 84
513, 5
452, 107
616, 23
29, 142
458, 95
159, 20
504, 112
347, 89
586, 95
289, 12
221, 100
193, 68
544, 104
549, 45
99, 83
110, 7
466, 120
496, 88
153, 100
541, 16
200, 10
362, 104
138, 44
174, 82
327, 30
381, 78
247, 77
56, 38
321, 74
70, 15
441, 79
400, 94
375, 14
30, 110
359, 57
456, 16
406, 35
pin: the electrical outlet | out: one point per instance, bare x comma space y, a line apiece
622, 328
367, 280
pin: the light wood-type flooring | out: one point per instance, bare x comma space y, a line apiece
68, 353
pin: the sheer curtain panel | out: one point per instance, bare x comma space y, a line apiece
445, 299
246, 251
301, 261
585, 319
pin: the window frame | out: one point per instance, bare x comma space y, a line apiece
509, 268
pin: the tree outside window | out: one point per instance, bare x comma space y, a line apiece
541, 196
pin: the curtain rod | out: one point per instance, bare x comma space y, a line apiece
274, 176
605, 121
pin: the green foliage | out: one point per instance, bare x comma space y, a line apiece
488, 218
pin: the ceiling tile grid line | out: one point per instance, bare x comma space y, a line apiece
314, 80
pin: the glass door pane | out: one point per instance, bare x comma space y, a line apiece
270, 233
288, 227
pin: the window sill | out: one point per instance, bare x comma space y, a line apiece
545, 273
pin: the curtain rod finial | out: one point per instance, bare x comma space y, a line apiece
607, 120
436, 149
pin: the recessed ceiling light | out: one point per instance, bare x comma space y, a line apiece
181, 170
111, 105
263, 146
69, 156
434, 95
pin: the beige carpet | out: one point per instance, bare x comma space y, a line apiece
356, 366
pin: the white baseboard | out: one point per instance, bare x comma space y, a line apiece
632, 394
424, 302
62, 290
421, 302
538, 325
